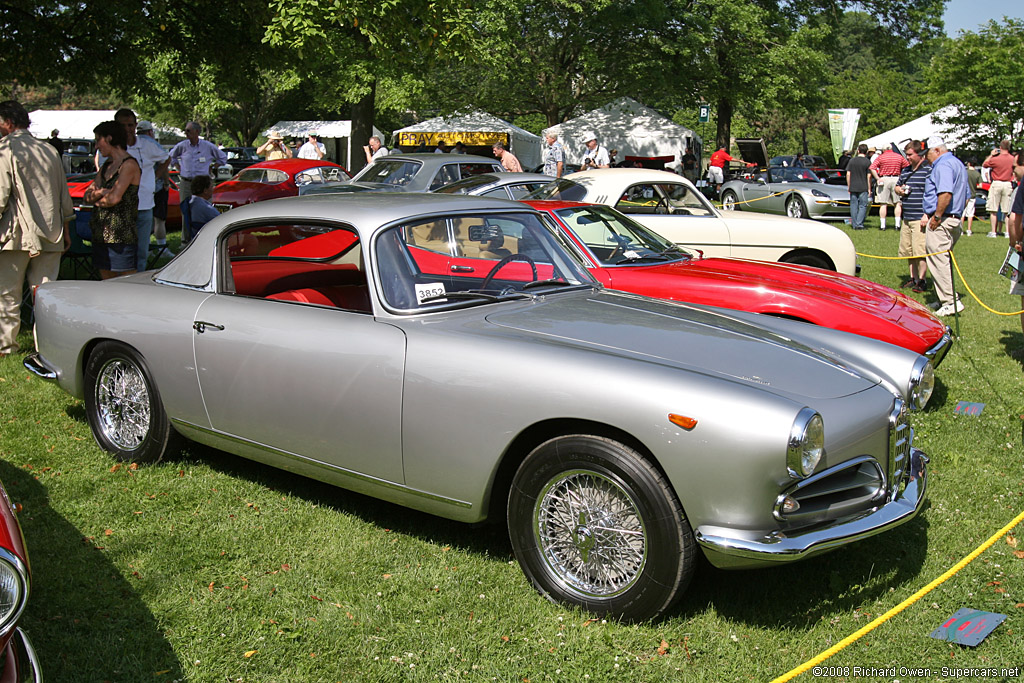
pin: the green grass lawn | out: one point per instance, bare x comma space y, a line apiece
209, 567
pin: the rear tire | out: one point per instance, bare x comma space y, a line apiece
594, 524
123, 405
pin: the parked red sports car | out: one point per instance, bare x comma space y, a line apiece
627, 256
78, 183
18, 661
273, 179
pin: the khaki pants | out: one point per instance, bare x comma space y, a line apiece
15, 268
942, 239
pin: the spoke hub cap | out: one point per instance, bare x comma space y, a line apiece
122, 402
590, 533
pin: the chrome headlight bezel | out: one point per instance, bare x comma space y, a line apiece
11, 607
922, 383
806, 444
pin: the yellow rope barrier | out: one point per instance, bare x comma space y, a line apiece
958, 272
811, 663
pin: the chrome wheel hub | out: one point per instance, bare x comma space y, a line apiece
122, 404
590, 533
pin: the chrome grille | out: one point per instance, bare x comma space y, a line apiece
900, 439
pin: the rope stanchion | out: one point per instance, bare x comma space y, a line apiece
857, 635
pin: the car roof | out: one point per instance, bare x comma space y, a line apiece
292, 165
366, 211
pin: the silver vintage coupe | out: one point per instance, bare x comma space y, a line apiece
448, 354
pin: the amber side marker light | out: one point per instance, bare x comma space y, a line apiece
682, 421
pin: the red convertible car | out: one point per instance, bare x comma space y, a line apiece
18, 661
273, 179
627, 256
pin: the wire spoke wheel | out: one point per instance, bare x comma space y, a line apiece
123, 400
591, 534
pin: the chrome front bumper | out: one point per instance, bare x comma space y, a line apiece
21, 665
34, 363
739, 549
937, 352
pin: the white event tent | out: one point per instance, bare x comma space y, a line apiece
474, 129
78, 123
336, 136
630, 127
920, 128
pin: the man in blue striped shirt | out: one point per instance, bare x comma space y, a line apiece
945, 196
910, 188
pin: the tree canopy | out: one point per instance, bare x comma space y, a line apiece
766, 67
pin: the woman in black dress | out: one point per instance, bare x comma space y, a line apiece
114, 194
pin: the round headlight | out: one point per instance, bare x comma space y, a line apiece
922, 383
806, 443
13, 588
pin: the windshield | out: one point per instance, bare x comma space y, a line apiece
473, 259
562, 188
796, 175
466, 185
389, 172
267, 176
614, 239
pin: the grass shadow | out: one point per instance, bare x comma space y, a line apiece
488, 539
95, 626
803, 593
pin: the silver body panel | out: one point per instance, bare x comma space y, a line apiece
423, 409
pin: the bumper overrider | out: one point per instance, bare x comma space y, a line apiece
739, 549
35, 364
20, 663
939, 350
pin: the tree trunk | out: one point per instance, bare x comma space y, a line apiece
723, 116
362, 128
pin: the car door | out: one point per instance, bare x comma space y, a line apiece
678, 212
756, 192
297, 378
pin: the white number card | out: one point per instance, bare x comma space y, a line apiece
427, 291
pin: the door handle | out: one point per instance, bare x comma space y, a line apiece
462, 269
201, 326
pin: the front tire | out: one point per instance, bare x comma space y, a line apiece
795, 207
594, 524
123, 406
729, 200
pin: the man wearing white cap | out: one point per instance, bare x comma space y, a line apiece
945, 196
596, 155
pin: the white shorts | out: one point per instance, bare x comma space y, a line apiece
969, 208
1000, 192
715, 174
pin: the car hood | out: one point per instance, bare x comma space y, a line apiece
703, 340
802, 280
348, 186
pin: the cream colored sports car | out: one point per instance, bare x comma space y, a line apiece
671, 206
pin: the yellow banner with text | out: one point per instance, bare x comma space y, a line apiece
471, 139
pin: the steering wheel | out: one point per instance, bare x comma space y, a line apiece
621, 242
505, 261
662, 206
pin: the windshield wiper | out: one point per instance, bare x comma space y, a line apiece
645, 257
544, 283
471, 296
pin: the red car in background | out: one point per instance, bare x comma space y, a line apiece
77, 185
273, 179
18, 662
627, 256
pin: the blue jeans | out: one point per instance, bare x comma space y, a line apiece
859, 203
144, 228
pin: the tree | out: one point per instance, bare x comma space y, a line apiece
356, 45
982, 74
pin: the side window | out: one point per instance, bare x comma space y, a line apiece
447, 174
319, 265
468, 170
499, 192
640, 198
429, 235
310, 175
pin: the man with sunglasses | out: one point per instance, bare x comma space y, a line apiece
910, 189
